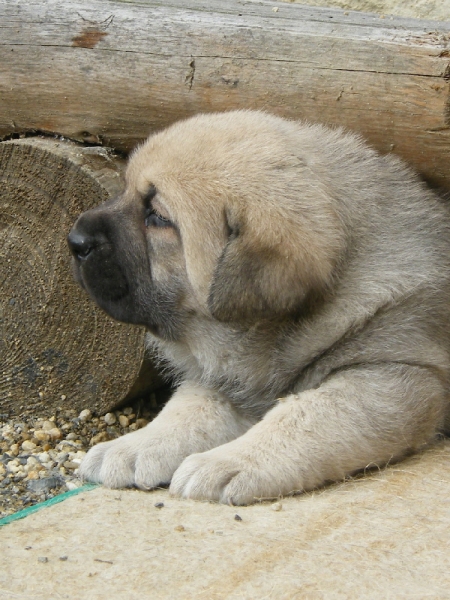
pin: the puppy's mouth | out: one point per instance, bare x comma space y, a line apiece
100, 275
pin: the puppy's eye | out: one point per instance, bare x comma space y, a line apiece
151, 216
153, 219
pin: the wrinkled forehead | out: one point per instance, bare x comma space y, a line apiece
194, 179
227, 150
192, 196
210, 164
160, 163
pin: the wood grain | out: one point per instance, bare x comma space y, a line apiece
112, 72
57, 349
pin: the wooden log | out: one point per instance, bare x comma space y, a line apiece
57, 349
113, 71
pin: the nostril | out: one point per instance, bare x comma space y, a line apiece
80, 245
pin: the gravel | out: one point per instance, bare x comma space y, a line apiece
39, 457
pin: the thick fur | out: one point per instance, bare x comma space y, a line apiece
296, 283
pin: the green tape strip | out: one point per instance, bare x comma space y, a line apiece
32, 509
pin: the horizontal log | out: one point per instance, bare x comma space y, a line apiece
113, 71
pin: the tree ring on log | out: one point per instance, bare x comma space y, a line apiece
57, 348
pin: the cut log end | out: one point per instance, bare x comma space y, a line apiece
57, 348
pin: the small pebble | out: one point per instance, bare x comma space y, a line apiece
14, 450
72, 485
55, 433
63, 557
159, 505
85, 415
100, 437
179, 528
69, 464
61, 458
43, 485
28, 445
43, 559
276, 506
110, 418
237, 518
12, 468
41, 435
124, 421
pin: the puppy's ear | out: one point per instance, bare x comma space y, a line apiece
253, 280
252, 284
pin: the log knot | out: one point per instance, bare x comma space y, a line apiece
88, 38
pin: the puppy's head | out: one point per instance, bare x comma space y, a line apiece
223, 215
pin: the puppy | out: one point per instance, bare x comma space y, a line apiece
297, 286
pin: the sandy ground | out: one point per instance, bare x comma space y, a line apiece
419, 9
384, 536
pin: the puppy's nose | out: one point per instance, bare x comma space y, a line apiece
89, 234
80, 244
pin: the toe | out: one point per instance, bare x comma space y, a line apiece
91, 465
200, 478
152, 472
117, 470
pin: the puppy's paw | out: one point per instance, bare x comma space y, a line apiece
194, 420
108, 463
226, 475
139, 459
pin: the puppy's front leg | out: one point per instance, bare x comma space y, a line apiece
360, 417
194, 420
